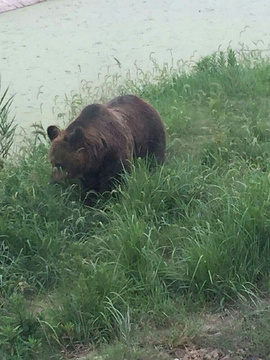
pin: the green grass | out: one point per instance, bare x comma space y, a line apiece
164, 246
7, 125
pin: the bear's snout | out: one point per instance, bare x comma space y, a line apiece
58, 175
53, 181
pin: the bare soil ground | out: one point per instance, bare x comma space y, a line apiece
234, 334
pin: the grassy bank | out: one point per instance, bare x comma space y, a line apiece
141, 266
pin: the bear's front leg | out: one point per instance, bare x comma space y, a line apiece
91, 182
111, 171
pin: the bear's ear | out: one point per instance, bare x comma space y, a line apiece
53, 132
76, 139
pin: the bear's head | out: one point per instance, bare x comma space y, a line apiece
68, 153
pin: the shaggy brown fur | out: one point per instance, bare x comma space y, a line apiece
102, 140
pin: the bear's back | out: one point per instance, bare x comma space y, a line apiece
144, 123
89, 116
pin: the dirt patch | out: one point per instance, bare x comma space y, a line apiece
235, 334
191, 353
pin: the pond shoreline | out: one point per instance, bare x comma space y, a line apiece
8, 5
48, 49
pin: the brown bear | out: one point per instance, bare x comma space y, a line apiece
102, 140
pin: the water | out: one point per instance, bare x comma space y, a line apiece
47, 49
